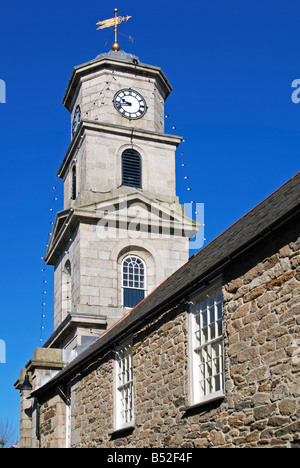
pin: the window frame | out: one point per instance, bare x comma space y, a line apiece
74, 182
200, 366
125, 154
133, 288
121, 386
68, 417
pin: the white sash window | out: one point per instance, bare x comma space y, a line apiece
207, 351
124, 414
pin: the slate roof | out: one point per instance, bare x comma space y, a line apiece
274, 211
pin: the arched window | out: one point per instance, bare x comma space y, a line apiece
133, 280
66, 289
74, 184
131, 169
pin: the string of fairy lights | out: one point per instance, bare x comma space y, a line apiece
101, 98
102, 94
43, 269
183, 161
183, 164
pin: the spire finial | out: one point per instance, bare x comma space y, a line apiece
113, 22
116, 45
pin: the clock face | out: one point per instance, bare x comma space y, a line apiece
130, 104
76, 120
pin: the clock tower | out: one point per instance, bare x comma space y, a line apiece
122, 230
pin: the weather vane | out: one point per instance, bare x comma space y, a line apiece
113, 22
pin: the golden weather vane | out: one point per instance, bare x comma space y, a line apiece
113, 22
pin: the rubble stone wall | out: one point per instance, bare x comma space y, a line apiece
261, 295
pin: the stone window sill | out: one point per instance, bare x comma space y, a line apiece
205, 401
119, 432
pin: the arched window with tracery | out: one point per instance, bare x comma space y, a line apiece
133, 280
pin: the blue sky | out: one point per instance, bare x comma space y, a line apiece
231, 65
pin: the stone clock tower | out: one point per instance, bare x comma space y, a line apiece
122, 230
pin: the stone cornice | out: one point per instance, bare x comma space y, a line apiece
171, 222
72, 321
111, 63
127, 132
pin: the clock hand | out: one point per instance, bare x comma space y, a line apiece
126, 103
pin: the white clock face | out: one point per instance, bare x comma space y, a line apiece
76, 120
130, 104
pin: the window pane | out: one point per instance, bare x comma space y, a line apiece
131, 297
211, 313
204, 319
204, 335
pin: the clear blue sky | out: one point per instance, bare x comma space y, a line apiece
231, 65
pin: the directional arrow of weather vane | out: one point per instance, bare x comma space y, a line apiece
113, 22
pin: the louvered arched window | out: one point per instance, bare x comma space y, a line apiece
131, 168
66, 289
74, 183
133, 280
